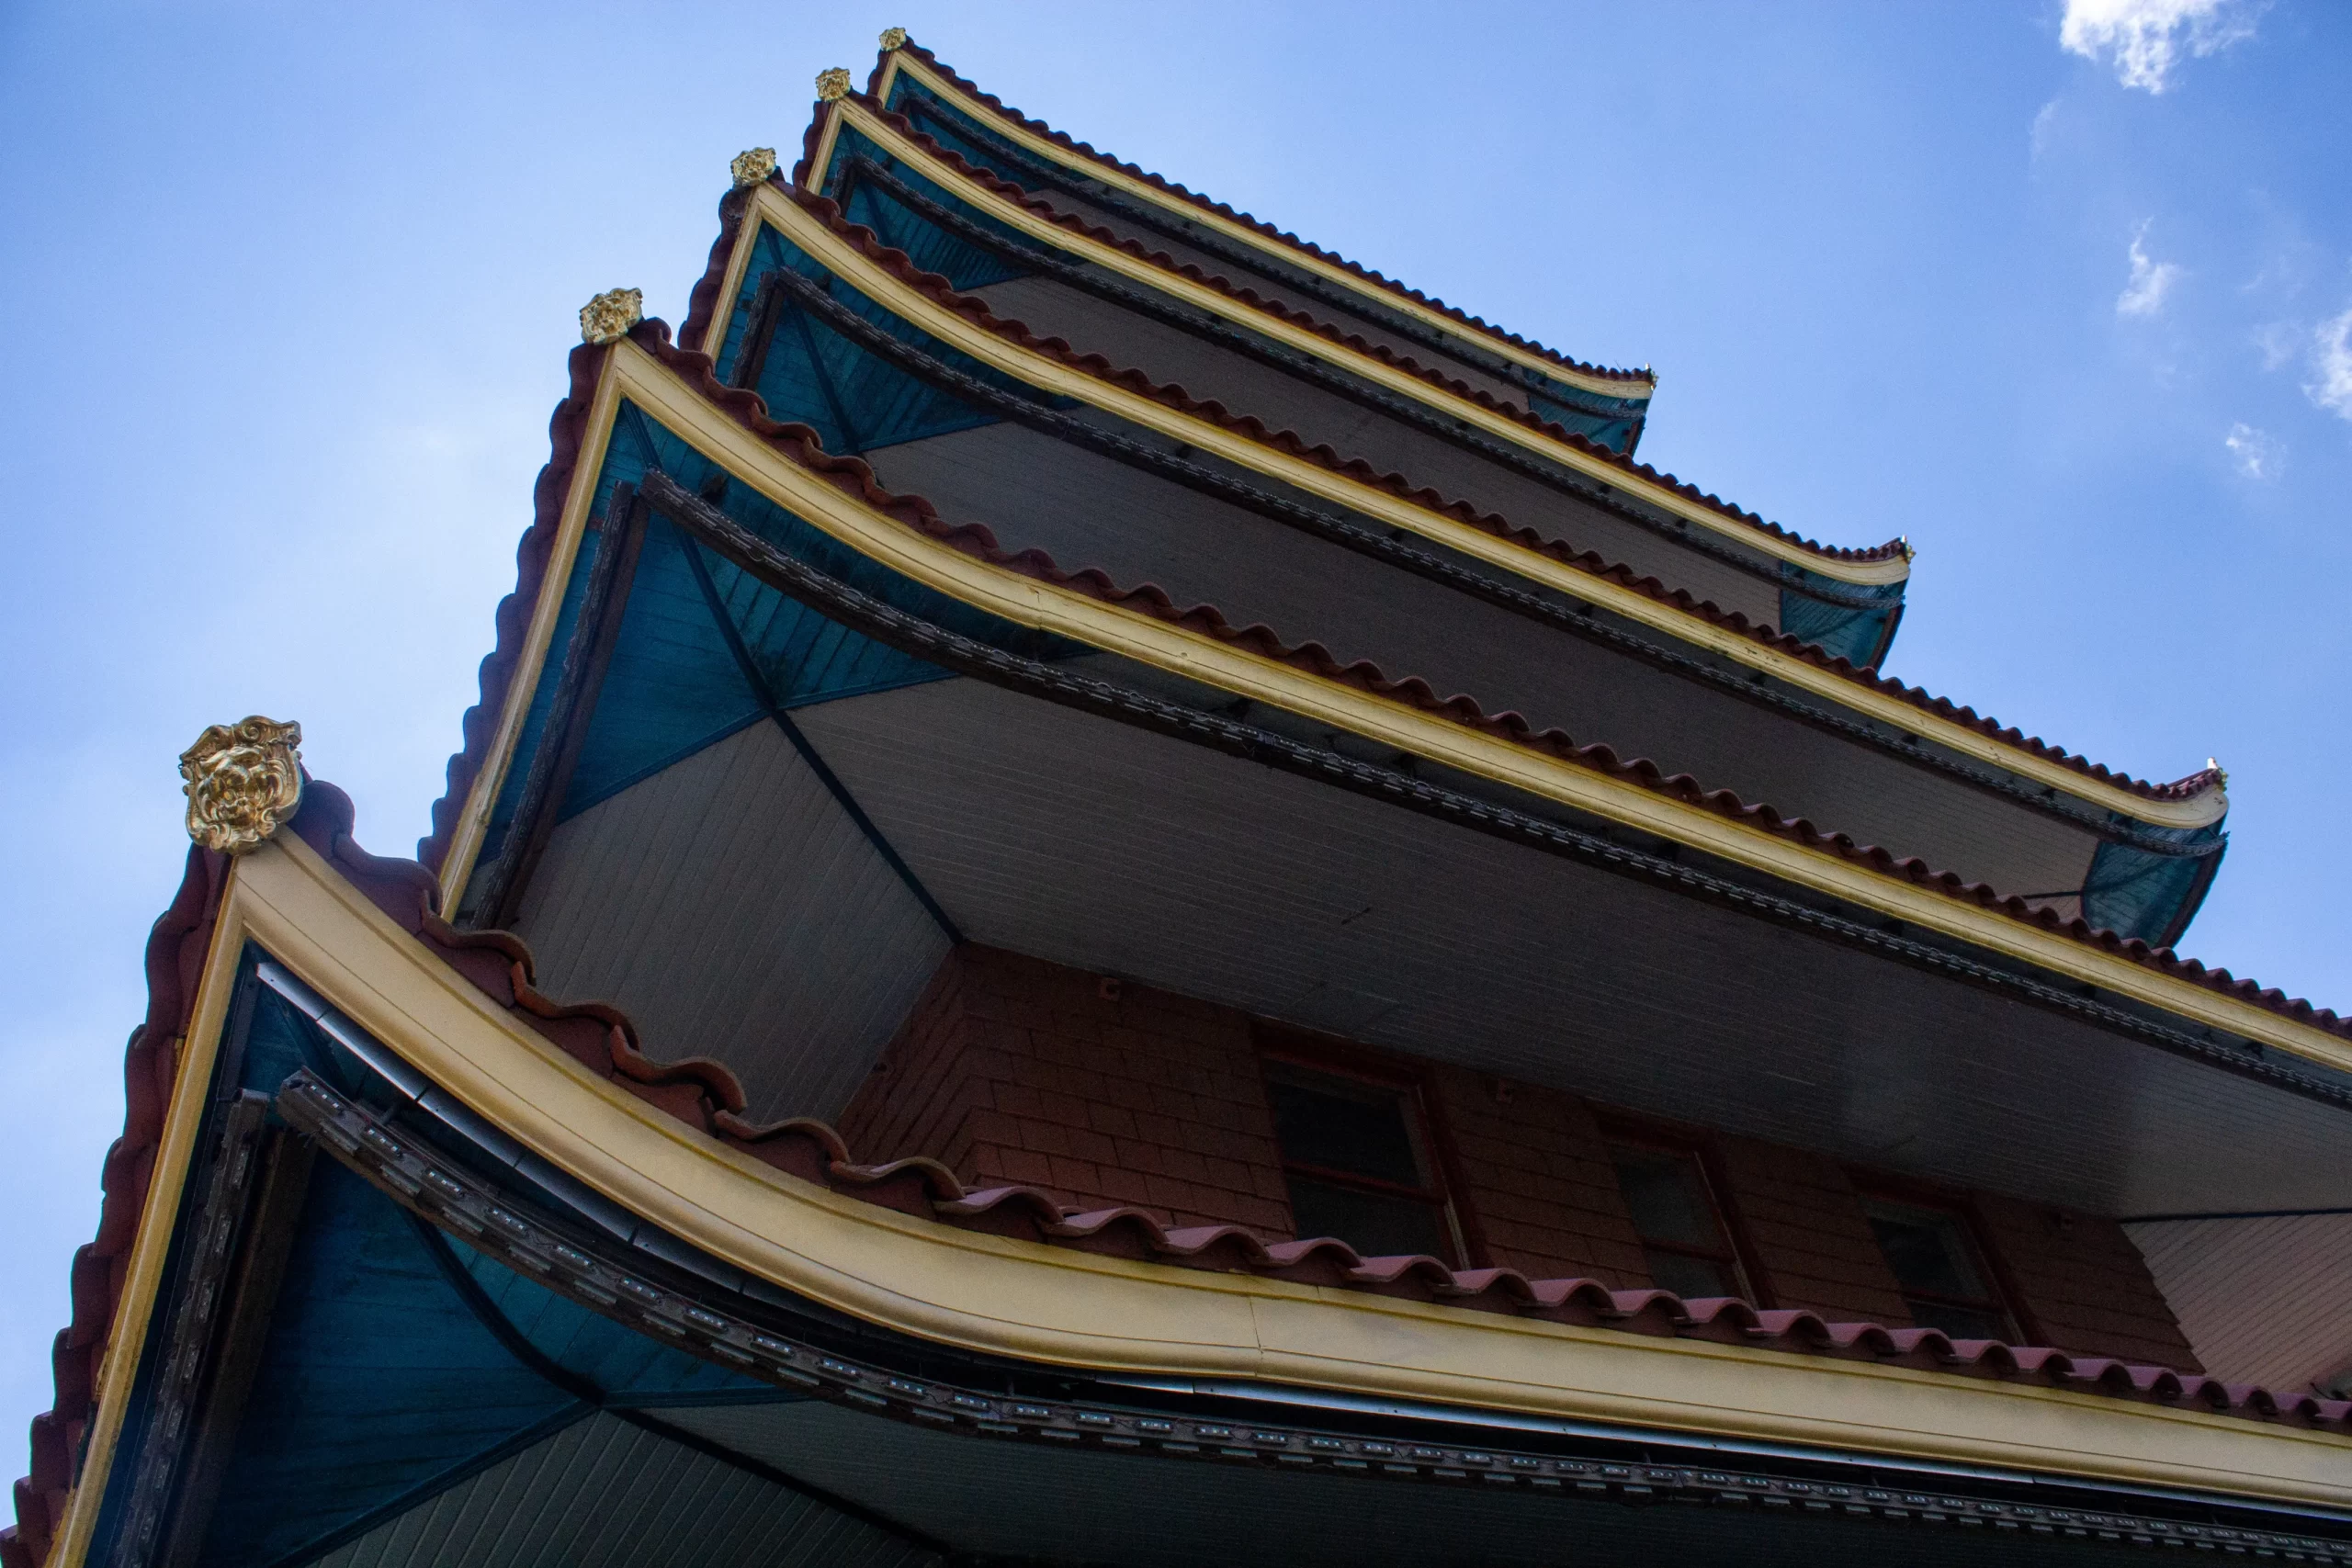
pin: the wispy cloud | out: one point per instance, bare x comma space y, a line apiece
2144, 39
2043, 124
2260, 455
2277, 341
2331, 386
2143, 293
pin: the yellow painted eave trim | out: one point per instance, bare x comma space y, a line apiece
1027, 601
1307, 261
151, 1244
851, 266
1063, 1307
481, 796
1369, 367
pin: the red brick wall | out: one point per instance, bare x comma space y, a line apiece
2084, 1283
1015, 1070
1542, 1192
1010, 1069
1805, 1227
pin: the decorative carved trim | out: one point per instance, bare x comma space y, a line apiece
589, 1269
242, 781
832, 84
211, 1249
894, 38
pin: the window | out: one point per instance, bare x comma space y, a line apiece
1944, 1281
1683, 1236
1356, 1160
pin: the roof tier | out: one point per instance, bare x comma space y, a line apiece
867, 351
911, 81
1130, 754
415, 1009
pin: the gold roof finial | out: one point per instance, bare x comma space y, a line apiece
832, 84
243, 782
608, 317
894, 38
753, 166
2220, 774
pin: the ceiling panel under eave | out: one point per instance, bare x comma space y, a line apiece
1096, 844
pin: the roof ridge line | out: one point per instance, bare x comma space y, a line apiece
703, 305
1280, 309
1380, 280
800, 444
1897, 548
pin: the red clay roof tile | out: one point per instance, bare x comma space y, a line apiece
1280, 309
705, 1094
703, 303
800, 444
1280, 236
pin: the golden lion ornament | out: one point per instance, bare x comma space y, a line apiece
244, 782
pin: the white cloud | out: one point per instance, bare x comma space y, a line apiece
2261, 455
2143, 39
2277, 341
2332, 364
2043, 123
2143, 294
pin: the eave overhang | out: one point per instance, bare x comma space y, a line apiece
1033, 219
545, 1152
1439, 734
916, 64
821, 237
849, 255
1056, 1306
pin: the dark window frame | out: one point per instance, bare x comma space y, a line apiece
2007, 1301
1750, 1282
1415, 1087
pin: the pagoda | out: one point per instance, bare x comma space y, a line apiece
1125, 895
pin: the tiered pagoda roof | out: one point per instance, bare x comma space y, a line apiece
1022, 553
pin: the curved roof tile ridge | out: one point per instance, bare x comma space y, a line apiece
1280, 236
1890, 550
800, 441
1242, 293
1295, 316
707, 1095
704, 304
802, 444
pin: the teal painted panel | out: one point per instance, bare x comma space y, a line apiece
2141, 893
1612, 422
962, 262
1850, 632
1614, 431
855, 403
376, 1378
675, 686
671, 688
628, 1368
510, 791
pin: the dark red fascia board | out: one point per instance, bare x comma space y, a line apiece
705, 1095
1280, 236
798, 443
703, 303
1244, 294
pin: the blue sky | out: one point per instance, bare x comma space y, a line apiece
2063, 292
